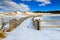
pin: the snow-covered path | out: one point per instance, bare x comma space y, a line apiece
25, 31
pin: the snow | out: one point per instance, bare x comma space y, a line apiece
12, 17
25, 32
8, 18
0, 23
6, 27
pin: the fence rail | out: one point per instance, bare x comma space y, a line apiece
49, 20
51, 25
37, 24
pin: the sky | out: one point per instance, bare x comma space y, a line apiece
29, 5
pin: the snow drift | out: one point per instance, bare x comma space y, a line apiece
26, 31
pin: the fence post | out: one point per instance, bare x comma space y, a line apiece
36, 24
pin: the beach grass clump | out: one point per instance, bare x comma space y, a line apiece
2, 33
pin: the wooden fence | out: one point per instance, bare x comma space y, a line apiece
50, 21
37, 24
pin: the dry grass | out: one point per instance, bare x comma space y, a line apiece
2, 33
14, 23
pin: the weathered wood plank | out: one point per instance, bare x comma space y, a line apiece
50, 26
49, 20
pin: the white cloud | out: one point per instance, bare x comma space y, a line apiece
9, 5
13, 6
24, 7
26, 0
44, 2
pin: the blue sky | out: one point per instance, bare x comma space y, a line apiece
29, 5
